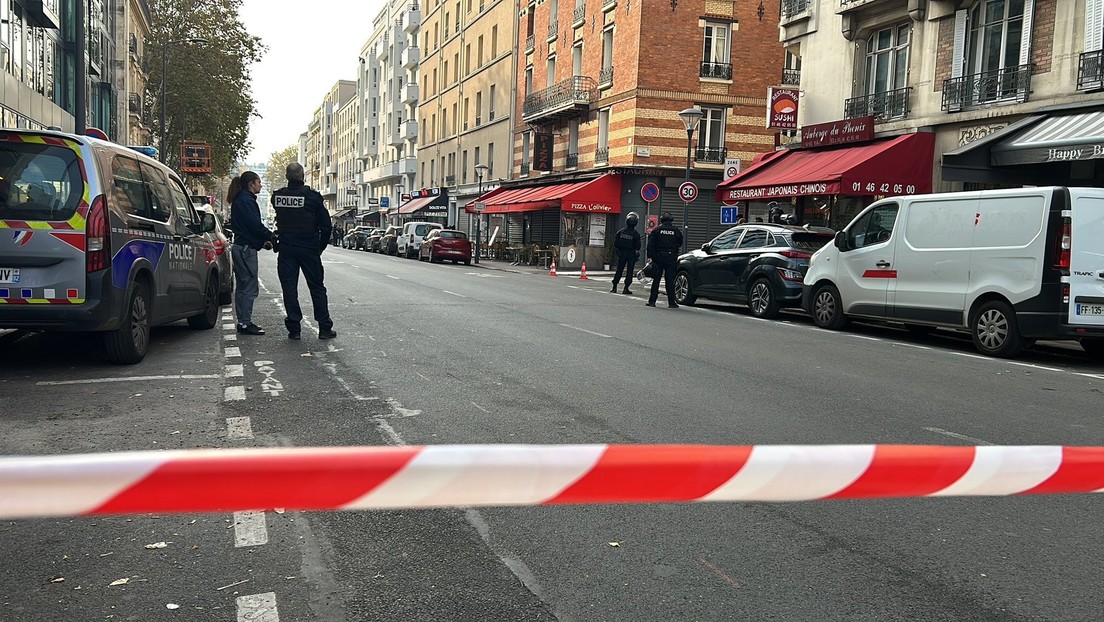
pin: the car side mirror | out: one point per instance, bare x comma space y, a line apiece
208, 222
841, 240
706, 247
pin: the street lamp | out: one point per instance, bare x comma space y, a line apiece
690, 119
480, 171
164, 72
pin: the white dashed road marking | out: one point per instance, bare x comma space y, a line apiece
235, 371
480, 407
233, 352
233, 394
54, 383
583, 330
453, 294
393, 277
258, 608
976, 441
228, 326
250, 529
230, 337
239, 428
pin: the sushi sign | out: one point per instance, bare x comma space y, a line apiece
782, 108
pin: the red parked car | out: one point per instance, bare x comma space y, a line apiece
446, 244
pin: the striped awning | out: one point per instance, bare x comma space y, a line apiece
1058, 138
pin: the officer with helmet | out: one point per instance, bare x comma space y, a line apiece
664, 245
303, 231
626, 243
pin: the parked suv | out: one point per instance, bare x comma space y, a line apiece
100, 238
760, 265
410, 240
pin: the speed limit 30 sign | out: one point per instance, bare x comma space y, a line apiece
688, 191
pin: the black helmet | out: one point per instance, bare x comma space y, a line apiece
666, 217
632, 219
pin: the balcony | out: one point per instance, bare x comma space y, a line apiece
331, 188
410, 130
885, 106
407, 166
794, 8
605, 78
722, 71
601, 155
385, 49
570, 98
529, 45
410, 57
553, 30
572, 160
412, 19
578, 18
410, 93
710, 155
791, 76
134, 104
1002, 86
332, 169
397, 137
450, 180
1090, 71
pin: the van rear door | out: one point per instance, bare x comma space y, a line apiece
1087, 257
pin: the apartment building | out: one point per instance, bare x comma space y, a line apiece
466, 83
345, 154
389, 131
313, 162
939, 95
330, 155
132, 20
598, 105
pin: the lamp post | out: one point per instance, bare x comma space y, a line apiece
480, 171
690, 119
164, 72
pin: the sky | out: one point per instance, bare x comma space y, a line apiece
311, 45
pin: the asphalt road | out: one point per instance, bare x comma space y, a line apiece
434, 354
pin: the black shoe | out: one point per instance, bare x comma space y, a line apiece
328, 333
294, 336
614, 290
649, 304
250, 329
672, 305
627, 292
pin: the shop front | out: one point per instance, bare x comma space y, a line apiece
567, 221
1064, 147
830, 180
428, 204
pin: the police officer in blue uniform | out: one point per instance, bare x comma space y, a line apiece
302, 233
664, 245
627, 244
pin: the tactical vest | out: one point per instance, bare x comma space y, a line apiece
667, 240
292, 214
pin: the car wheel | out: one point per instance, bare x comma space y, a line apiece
467, 262
227, 297
207, 318
433, 257
828, 308
761, 299
683, 295
127, 344
1094, 347
995, 331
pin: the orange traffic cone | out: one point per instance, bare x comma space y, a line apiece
552, 272
582, 275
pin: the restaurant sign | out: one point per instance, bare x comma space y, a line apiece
425, 192
588, 206
848, 186
857, 130
782, 108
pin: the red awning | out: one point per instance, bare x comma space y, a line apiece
596, 195
900, 165
414, 205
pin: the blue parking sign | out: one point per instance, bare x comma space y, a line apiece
385, 201
729, 215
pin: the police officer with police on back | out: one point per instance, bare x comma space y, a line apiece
303, 231
627, 244
664, 245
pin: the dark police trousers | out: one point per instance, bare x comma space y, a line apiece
296, 255
669, 267
623, 261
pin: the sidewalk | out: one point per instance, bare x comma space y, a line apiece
506, 266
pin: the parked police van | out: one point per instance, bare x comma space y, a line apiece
95, 236
1009, 266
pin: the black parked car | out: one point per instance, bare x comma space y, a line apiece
760, 265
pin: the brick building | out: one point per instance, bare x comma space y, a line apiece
601, 83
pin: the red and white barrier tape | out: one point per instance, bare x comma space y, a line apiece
475, 475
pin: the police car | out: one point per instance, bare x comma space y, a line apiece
98, 237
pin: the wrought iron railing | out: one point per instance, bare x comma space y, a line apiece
524, 169
885, 106
791, 76
490, 116
135, 103
574, 90
579, 15
553, 28
450, 180
1007, 85
716, 70
605, 78
601, 156
711, 155
572, 160
793, 8
529, 44
1090, 71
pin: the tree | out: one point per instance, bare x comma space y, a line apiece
277, 163
206, 84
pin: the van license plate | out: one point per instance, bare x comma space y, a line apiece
1090, 309
9, 275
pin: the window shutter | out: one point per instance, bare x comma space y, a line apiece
1025, 35
1094, 25
958, 57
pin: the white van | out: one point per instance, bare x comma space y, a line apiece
410, 242
1009, 266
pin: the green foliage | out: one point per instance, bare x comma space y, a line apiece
277, 163
206, 84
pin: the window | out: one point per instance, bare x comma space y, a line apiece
607, 48
456, 67
444, 123
573, 144
887, 60
160, 198
466, 115
754, 238
525, 142
490, 160
490, 104
528, 81
603, 128
494, 41
551, 68
577, 59
455, 119
446, 70
711, 136
479, 51
464, 166
477, 156
446, 25
726, 241
873, 227
996, 29
992, 45
715, 49
457, 17
467, 59
478, 109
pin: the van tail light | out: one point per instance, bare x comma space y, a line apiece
796, 254
1065, 243
97, 237
1065, 293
